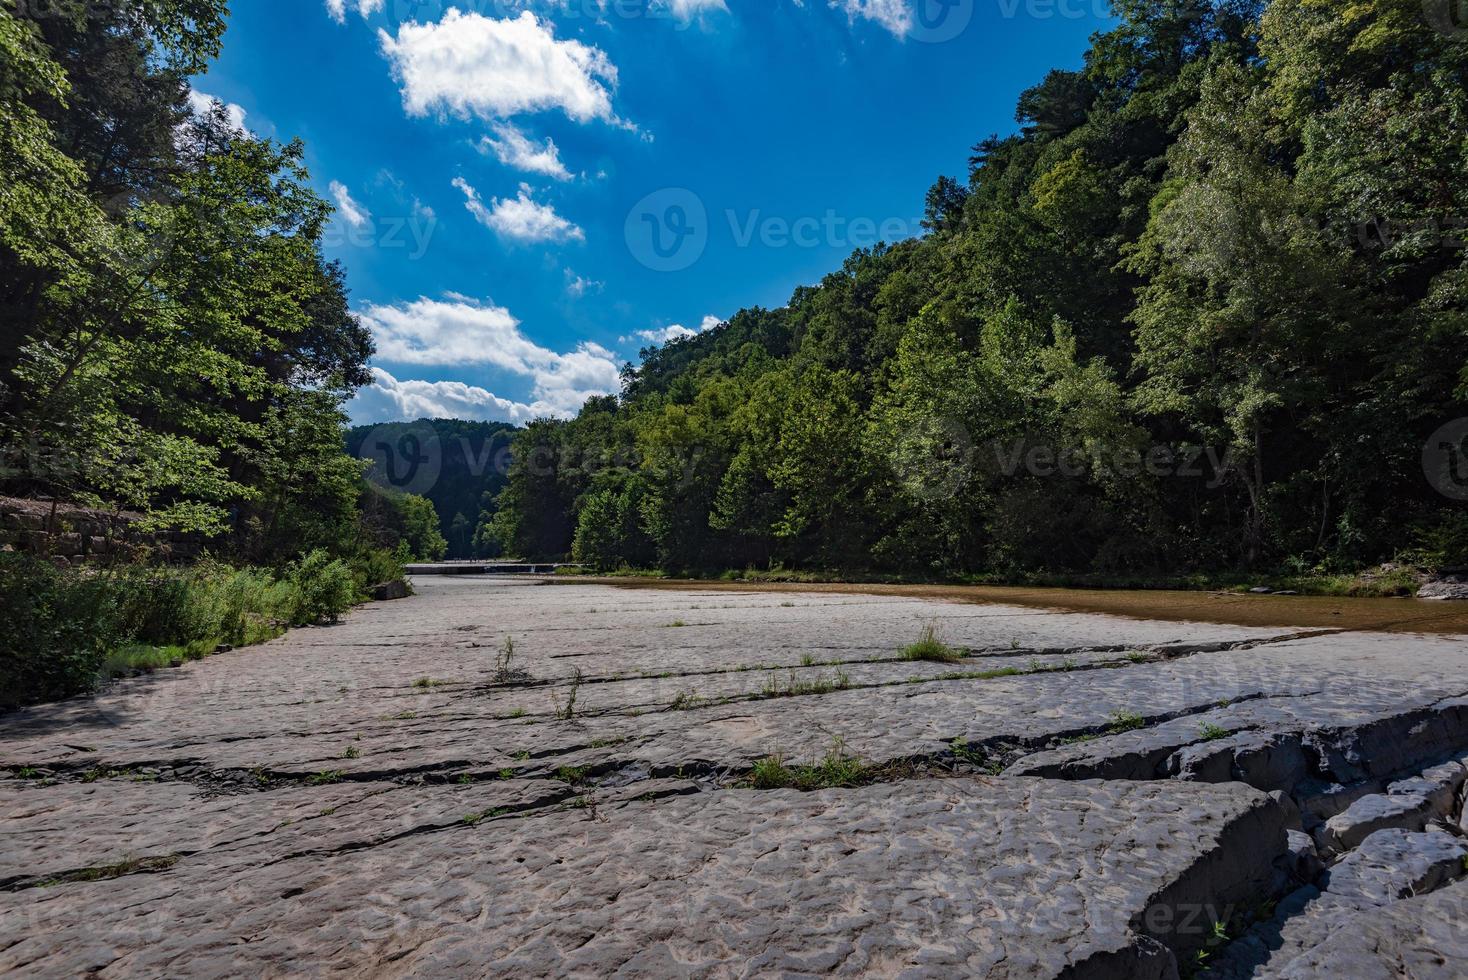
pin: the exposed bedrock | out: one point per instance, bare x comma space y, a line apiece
1011, 878
1383, 911
1071, 796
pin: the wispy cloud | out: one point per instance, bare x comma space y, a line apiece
514, 149
519, 218
352, 213
677, 331
576, 286
338, 8
894, 15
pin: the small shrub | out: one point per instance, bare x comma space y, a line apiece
771, 773
378, 566
572, 774
59, 626
504, 665
325, 589
930, 648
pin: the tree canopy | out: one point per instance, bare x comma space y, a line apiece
172, 340
1204, 309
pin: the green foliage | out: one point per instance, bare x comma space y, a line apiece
932, 649
73, 628
795, 687
324, 586
59, 628
471, 459
420, 528
200, 607
1120, 722
836, 769
1200, 313
172, 340
1209, 732
377, 566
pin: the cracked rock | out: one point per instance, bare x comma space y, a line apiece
1406, 811
1395, 864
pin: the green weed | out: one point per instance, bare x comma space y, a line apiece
930, 648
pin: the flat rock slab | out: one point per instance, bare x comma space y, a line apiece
1421, 938
378, 797
1396, 864
1012, 878
406, 689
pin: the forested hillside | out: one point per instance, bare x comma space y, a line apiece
459, 467
1206, 309
172, 341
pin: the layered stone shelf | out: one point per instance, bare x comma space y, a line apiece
1078, 796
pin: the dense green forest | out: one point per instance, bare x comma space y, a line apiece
458, 467
1204, 310
172, 341
173, 345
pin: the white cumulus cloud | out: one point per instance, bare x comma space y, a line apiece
459, 331
352, 213
514, 149
470, 65
520, 218
387, 399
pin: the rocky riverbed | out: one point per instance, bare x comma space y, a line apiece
507, 778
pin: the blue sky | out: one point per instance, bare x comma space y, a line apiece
530, 191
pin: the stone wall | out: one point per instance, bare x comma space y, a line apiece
68, 534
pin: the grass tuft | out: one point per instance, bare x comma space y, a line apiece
1124, 721
930, 648
799, 686
836, 769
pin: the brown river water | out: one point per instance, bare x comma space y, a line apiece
1313, 612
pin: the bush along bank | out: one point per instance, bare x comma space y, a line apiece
68, 629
